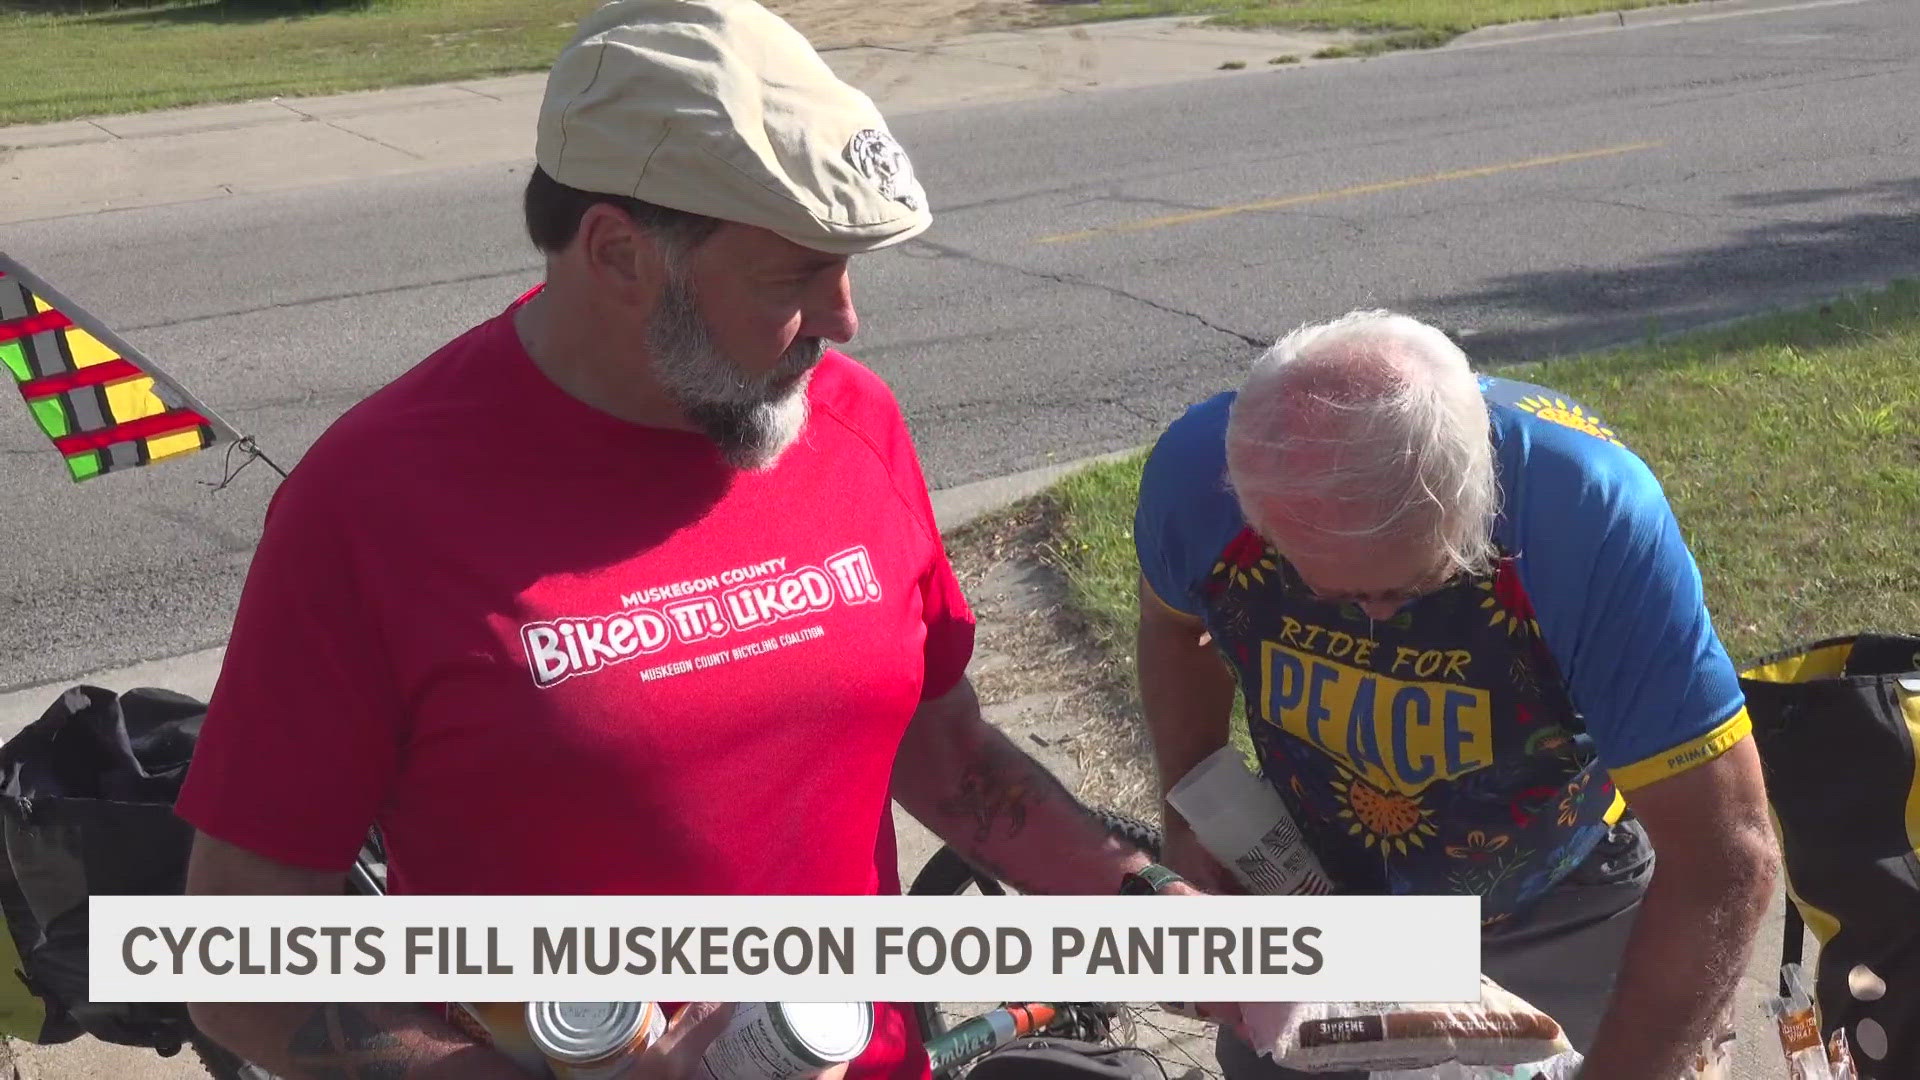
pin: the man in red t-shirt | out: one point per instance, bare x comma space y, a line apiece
635, 587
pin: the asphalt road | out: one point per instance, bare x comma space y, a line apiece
1543, 196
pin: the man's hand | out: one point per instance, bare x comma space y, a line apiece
677, 1055
385, 1042
326, 1041
691, 1030
1226, 1014
1714, 865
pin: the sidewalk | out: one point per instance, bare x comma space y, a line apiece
150, 159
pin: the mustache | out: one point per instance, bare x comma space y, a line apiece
801, 356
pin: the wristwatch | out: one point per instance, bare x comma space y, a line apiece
1149, 880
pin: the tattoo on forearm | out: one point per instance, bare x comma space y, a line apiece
1000, 791
1000, 787
347, 1042
991, 867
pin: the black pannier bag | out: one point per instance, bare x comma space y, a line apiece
1837, 723
86, 809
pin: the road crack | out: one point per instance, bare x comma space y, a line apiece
1696, 216
1128, 407
935, 52
349, 131
464, 279
1077, 282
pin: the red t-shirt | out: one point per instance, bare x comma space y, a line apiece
552, 652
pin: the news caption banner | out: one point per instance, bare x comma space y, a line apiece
784, 948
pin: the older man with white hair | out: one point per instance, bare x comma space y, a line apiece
1476, 659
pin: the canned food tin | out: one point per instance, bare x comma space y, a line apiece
771, 1040
503, 1026
593, 1040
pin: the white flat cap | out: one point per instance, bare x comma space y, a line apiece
721, 108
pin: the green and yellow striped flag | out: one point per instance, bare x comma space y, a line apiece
104, 406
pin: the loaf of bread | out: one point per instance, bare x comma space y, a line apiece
1501, 1030
1430, 1023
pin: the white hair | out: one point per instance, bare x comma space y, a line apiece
1378, 412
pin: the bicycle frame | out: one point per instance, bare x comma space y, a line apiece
361, 878
978, 1036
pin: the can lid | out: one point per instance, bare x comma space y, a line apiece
832, 1031
576, 1031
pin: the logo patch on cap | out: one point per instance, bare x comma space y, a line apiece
884, 161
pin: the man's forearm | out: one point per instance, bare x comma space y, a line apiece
968, 783
1186, 691
352, 1042
1690, 943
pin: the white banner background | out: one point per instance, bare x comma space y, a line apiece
1424, 949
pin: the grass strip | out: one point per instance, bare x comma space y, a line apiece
66, 60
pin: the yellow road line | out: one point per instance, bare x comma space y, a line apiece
1347, 192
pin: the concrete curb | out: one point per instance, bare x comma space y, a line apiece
191, 673
1634, 19
957, 506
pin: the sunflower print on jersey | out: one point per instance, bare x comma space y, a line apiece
1392, 820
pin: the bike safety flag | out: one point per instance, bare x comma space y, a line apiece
104, 405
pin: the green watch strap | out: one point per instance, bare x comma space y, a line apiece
1148, 880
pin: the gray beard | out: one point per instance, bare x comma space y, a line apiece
751, 422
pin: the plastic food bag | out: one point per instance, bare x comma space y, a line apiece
1795, 1017
1562, 1067
1501, 1030
1840, 1057
1714, 1059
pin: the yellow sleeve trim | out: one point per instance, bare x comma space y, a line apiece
1147, 590
1685, 756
